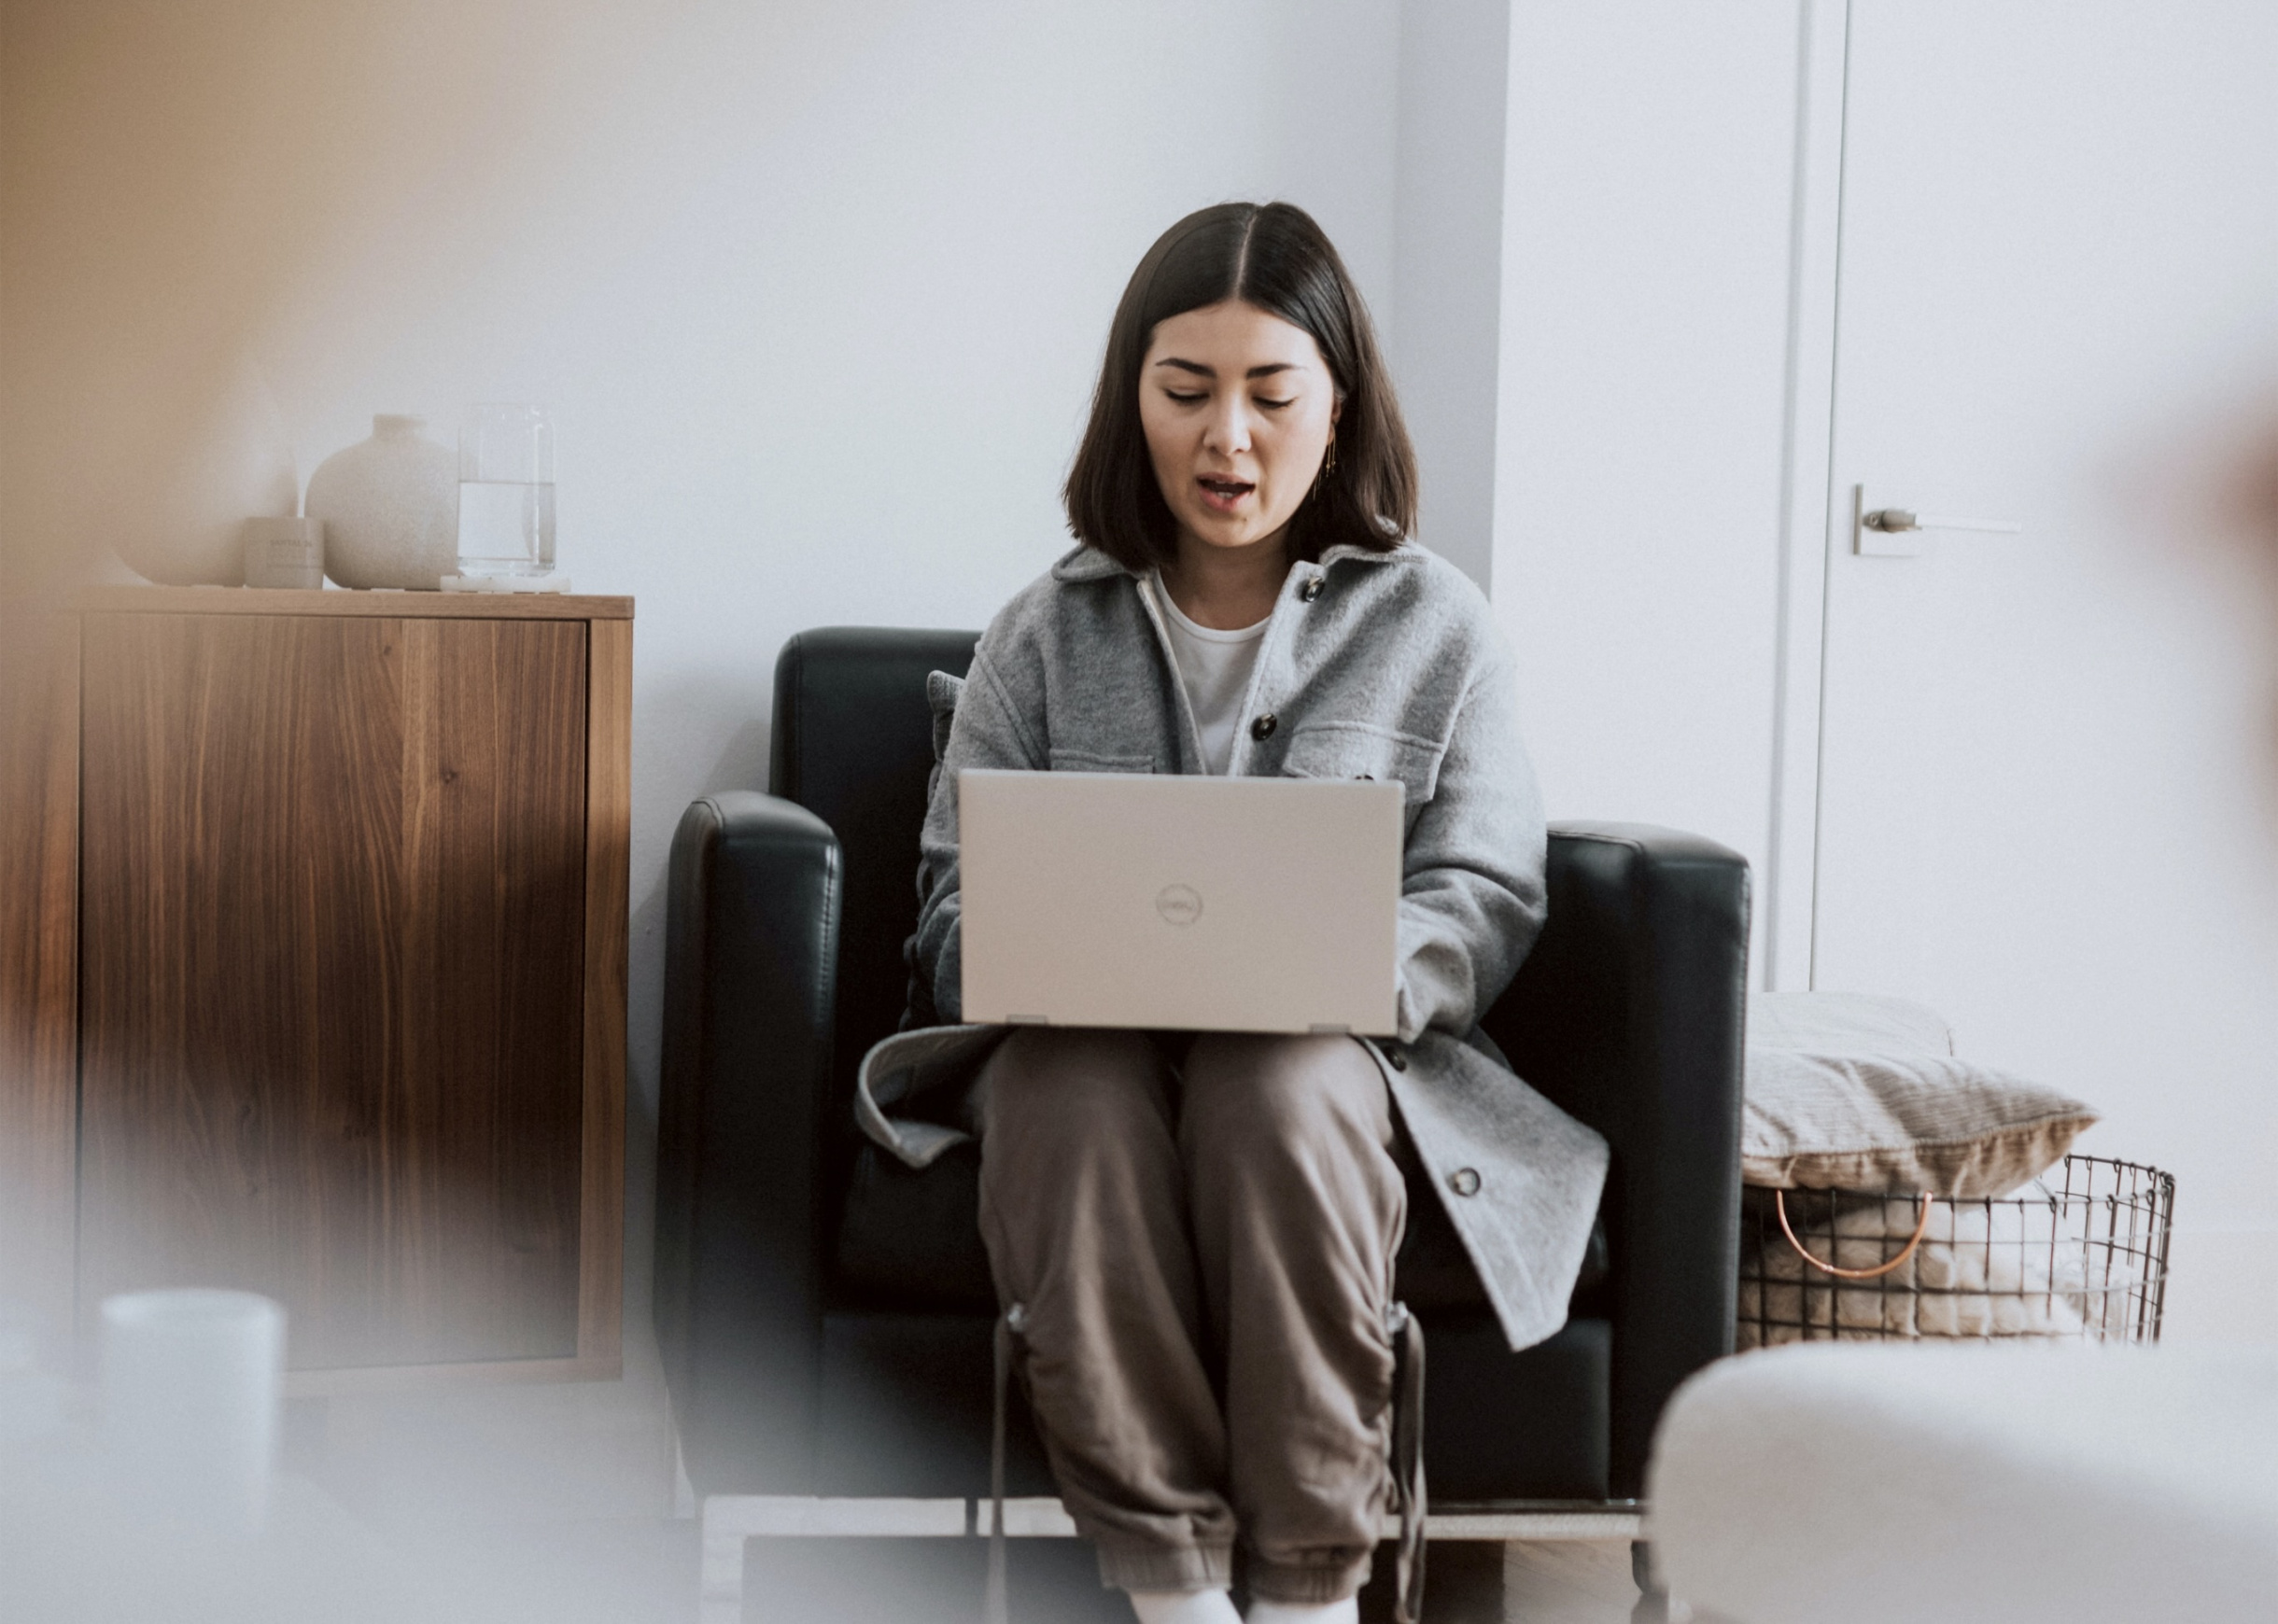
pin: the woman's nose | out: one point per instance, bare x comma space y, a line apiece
1228, 430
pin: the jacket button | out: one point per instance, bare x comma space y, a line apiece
1396, 1056
1311, 590
1263, 727
1464, 1181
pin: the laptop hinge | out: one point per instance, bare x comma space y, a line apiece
1334, 1028
1012, 1020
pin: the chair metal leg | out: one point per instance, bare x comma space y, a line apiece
721, 1593
1652, 1606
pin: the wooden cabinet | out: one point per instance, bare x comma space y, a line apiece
352, 968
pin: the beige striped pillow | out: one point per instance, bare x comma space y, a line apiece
1863, 1094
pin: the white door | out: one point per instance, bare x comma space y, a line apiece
2048, 770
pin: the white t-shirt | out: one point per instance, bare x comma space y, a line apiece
1216, 667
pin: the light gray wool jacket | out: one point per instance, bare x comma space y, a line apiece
1376, 664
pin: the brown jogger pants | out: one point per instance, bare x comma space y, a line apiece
1204, 1251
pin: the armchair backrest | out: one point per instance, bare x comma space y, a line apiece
853, 744
1628, 1013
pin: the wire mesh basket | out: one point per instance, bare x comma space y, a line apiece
2078, 1254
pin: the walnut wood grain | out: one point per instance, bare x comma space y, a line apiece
244, 600
609, 820
333, 973
39, 738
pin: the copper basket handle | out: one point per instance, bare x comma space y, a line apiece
1779, 1203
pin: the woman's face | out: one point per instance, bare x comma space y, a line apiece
1238, 408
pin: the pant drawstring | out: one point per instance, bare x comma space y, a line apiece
995, 1607
1408, 1462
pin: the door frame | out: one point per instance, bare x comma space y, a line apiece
1815, 518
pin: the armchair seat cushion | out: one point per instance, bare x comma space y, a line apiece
909, 1239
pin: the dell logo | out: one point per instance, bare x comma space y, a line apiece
1179, 905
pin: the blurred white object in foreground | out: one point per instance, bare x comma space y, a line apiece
1889, 1483
193, 1382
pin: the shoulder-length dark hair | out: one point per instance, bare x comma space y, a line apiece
1274, 256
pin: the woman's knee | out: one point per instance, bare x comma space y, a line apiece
1069, 1079
1240, 1086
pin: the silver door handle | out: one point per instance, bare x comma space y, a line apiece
1892, 520
1898, 532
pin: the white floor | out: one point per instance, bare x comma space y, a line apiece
554, 1503
1567, 1584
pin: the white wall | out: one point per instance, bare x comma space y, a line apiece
1646, 224
1447, 265
818, 304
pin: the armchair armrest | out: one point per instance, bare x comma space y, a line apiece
751, 971
1630, 1014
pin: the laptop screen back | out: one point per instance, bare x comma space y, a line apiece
1180, 901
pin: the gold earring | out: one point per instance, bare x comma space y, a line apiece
1329, 463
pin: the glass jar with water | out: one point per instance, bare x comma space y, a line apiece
506, 493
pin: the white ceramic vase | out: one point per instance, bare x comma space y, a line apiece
180, 521
390, 508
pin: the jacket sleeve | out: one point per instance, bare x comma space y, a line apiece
987, 732
1473, 894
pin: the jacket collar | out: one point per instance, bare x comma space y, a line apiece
1083, 563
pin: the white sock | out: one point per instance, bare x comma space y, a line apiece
1345, 1612
1184, 1607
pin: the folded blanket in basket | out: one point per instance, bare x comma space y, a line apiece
1985, 1269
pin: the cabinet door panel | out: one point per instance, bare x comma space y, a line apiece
331, 885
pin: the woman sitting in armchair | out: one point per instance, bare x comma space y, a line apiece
1194, 1236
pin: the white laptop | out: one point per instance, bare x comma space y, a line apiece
1180, 901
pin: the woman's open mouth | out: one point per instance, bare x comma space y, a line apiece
1223, 495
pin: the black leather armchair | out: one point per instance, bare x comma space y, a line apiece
824, 1312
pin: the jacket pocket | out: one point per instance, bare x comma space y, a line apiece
1072, 761
1355, 749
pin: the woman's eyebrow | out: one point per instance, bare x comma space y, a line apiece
1201, 371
